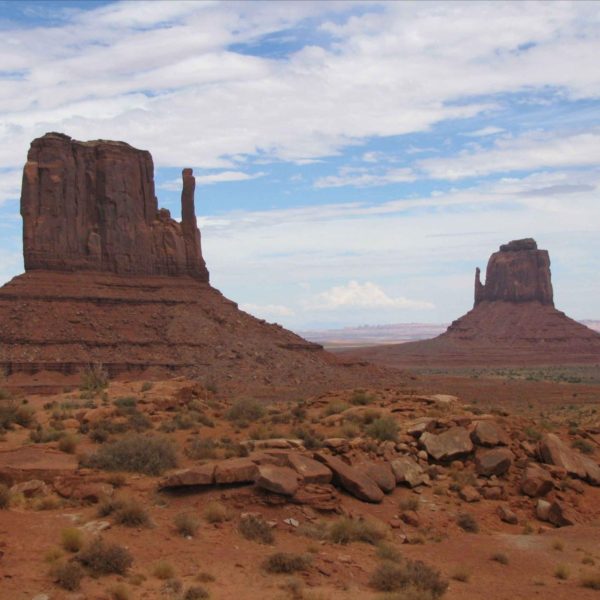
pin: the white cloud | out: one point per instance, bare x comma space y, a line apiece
267, 311
364, 178
221, 177
10, 184
485, 131
529, 151
362, 295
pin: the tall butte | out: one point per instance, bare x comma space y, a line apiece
513, 321
111, 278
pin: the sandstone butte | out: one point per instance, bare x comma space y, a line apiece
110, 278
513, 322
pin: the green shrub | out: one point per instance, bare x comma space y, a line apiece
14, 413
335, 407
312, 439
500, 557
283, 562
583, 446
163, 570
71, 539
361, 398
346, 530
383, 429
215, 512
68, 576
68, 443
186, 524
201, 449
147, 386
150, 455
246, 411
390, 577
561, 572
256, 529
102, 558
591, 581
94, 379
387, 552
132, 514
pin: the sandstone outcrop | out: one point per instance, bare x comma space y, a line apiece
91, 206
513, 322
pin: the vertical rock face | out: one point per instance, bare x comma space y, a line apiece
91, 206
518, 272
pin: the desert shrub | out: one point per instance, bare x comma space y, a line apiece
172, 588
68, 443
312, 439
109, 505
147, 386
186, 524
119, 592
588, 560
345, 530
53, 555
13, 413
204, 577
201, 449
265, 432
255, 528
117, 480
93, 379
410, 503
196, 592
245, 411
591, 581
500, 557
71, 539
361, 398
349, 430
558, 545
583, 446
132, 514
215, 512
387, 552
390, 577
150, 455
47, 503
68, 576
99, 433
4, 497
163, 570
125, 404
467, 522
42, 436
138, 421
102, 558
561, 572
284, 562
335, 407
461, 574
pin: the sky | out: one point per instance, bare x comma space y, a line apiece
355, 161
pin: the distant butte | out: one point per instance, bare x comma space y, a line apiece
513, 322
112, 279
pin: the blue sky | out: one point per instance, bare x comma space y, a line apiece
355, 160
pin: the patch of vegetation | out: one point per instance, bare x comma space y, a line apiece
500, 557
312, 439
42, 436
284, 562
461, 574
361, 398
94, 380
147, 386
216, 512
163, 570
68, 443
256, 529
583, 446
387, 552
131, 514
68, 576
150, 455
383, 429
591, 581
15, 413
346, 530
410, 503
416, 575
467, 522
71, 539
120, 592
186, 524
246, 411
5, 496
102, 558
335, 407
562, 572
196, 592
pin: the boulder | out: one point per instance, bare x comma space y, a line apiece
35, 462
469, 494
381, 473
311, 470
555, 452
352, 480
281, 480
561, 515
507, 515
536, 481
409, 471
236, 470
198, 475
542, 510
496, 461
490, 434
449, 445
31, 489
323, 497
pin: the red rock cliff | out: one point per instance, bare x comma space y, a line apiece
91, 206
519, 272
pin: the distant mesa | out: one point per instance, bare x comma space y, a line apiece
513, 322
112, 279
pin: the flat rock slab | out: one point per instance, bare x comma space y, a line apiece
281, 480
555, 452
35, 462
199, 475
451, 444
489, 433
407, 470
311, 470
236, 470
352, 480
381, 473
536, 481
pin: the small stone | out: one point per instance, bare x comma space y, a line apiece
469, 494
507, 515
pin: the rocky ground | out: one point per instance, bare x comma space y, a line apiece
195, 493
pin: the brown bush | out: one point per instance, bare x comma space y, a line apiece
102, 558
283, 562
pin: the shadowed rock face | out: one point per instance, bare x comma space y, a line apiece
91, 206
518, 272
